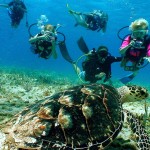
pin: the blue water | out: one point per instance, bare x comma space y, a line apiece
15, 48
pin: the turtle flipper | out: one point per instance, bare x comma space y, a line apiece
142, 137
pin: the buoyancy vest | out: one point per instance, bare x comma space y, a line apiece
43, 48
135, 54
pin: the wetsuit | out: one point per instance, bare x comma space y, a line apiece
16, 12
95, 21
93, 67
135, 55
42, 47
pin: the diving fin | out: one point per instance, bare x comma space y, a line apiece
127, 78
82, 45
64, 52
54, 54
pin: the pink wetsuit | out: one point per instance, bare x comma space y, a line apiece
127, 41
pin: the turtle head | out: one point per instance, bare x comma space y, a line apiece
132, 93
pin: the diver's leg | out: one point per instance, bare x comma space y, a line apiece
79, 17
72, 11
54, 53
80, 20
135, 69
76, 68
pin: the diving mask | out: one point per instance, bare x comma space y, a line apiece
102, 53
139, 33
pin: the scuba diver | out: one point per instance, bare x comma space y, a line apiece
95, 21
135, 47
16, 10
97, 65
44, 44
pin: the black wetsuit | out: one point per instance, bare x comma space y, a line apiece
93, 67
42, 48
16, 12
95, 21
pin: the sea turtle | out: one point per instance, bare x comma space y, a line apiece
80, 118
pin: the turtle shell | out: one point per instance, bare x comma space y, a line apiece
82, 117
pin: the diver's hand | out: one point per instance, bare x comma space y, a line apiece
47, 37
44, 37
92, 52
132, 43
137, 44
